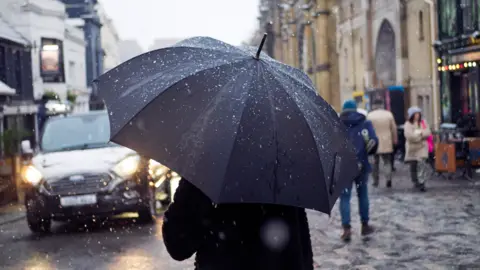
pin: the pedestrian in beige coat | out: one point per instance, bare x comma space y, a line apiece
417, 132
386, 130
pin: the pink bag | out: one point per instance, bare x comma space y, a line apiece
429, 139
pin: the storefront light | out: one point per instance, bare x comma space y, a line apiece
469, 64
439, 61
439, 69
474, 64
465, 64
458, 66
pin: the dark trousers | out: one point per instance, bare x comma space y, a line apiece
387, 163
417, 171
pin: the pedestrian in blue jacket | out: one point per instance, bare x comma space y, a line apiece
363, 137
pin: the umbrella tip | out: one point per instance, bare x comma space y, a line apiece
257, 56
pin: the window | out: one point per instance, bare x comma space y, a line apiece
18, 71
446, 97
448, 18
361, 47
467, 15
3, 67
421, 34
51, 57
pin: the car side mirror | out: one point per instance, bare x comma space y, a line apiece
26, 147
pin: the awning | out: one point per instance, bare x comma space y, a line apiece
5, 89
9, 33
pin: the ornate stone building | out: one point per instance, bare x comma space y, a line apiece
302, 34
384, 48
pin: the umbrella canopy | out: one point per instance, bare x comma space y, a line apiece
239, 127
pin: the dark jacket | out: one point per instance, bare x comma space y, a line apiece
236, 236
355, 123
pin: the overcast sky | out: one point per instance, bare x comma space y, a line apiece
232, 21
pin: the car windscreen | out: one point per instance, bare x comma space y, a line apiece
76, 132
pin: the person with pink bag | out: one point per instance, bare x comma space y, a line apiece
418, 145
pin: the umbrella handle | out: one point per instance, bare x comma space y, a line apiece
257, 56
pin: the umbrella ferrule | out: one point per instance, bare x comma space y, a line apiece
257, 56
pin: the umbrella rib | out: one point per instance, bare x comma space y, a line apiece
173, 84
238, 127
309, 129
275, 139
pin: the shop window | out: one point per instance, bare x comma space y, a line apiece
445, 98
51, 58
421, 34
448, 18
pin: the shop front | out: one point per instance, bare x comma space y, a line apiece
459, 86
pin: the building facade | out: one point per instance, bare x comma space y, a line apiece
17, 107
458, 50
302, 34
385, 52
89, 21
57, 48
75, 68
110, 40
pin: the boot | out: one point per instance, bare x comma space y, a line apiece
422, 187
389, 184
347, 234
366, 229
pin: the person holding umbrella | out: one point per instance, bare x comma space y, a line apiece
363, 137
252, 139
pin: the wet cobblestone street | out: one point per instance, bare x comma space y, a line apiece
438, 229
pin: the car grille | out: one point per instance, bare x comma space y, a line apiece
92, 183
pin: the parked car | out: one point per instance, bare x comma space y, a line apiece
77, 173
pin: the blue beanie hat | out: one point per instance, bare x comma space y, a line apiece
349, 105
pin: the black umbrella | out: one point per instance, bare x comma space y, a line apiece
241, 127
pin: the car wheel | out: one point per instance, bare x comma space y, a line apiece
36, 222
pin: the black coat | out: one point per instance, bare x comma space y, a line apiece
236, 236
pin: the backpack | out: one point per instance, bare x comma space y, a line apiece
359, 136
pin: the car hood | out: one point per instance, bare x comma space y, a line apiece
59, 164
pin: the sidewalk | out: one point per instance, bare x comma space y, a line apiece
11, 212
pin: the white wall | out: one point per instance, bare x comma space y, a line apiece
36, 19
110, 40
75, 69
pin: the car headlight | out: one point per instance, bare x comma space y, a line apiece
127, 167
32, 175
